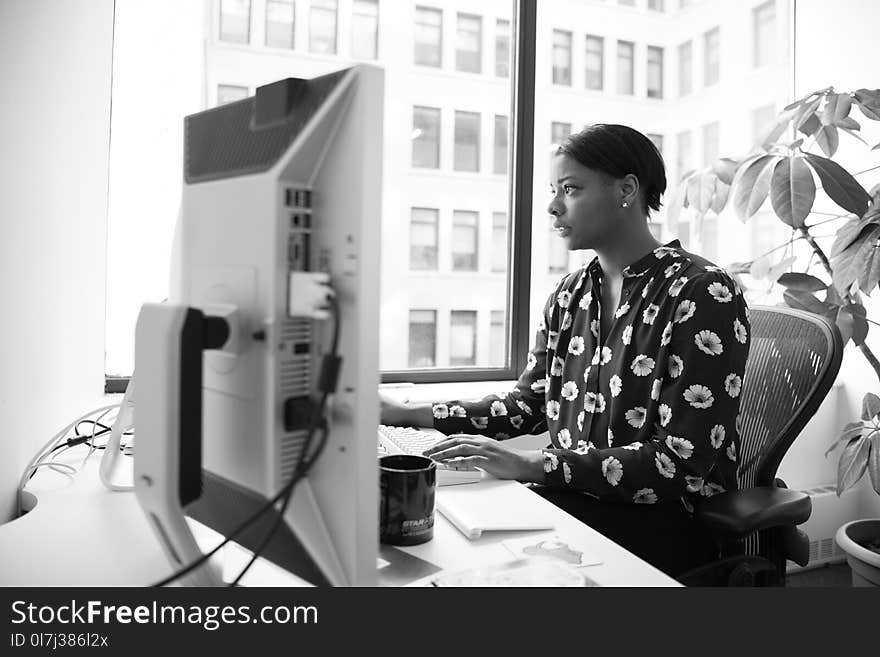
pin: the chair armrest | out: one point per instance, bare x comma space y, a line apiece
739, 513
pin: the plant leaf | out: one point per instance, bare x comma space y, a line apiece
849, 124
804, 301
869, 102
810, 126
837, 107
725, 168
792, 191
852, 230
845, 322
828, 139
867, 264
807, 113
850, 431
852, 464
779, 268
750, 191
839, 184
803, 282
846, 267
870, 406
760, 267
874, 462
722, 194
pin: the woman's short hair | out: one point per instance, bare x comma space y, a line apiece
618, 150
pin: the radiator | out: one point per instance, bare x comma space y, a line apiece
829, 513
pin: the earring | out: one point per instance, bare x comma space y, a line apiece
625, 205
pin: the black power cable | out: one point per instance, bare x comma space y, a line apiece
329, 375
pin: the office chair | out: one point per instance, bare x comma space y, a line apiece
793, 360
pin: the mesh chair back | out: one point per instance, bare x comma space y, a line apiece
793, 360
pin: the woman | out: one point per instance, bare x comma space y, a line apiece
635, 371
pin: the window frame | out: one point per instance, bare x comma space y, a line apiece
519, 212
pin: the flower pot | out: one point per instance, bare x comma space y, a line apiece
864, 562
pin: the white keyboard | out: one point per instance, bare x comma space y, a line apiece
406, 440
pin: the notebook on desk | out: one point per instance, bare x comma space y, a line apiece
492, 505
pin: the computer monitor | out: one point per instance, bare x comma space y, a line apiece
286, 181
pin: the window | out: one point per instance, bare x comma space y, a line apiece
365, 29
763, 29
557, 254
497, 338
423, 238
466, 156
657, 140
422, 338
499, 165
625, 57
712, 57
709, 237
279, 23
502, 48
426, 137
762, 118
685, 65
559, 131
468, 44
465, 232
655, 72
499, 241
462, 338
683, 153
627, 3
594, 62
655, 5
428, 37
322, 27
227, 93
235, 21
561, 57
710, 143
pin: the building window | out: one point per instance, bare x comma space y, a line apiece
763, 30
428, 37
423, 238
711, 140
235, 21
657, 140
227, 93
499, 241
422, 338
557, 254
468, 44
656, 5
497, 339
559, 131
499, 165
762, 118
561, 57
655, 72
685, 66
709, 238
279, 23
683, 153
502, 48
465, 235
594, 63
426, 137
625, 55
365, 29
712, 57
322, 27
466, 155
462, 338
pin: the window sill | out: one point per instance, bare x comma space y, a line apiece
430, 392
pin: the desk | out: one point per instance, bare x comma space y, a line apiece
81, 534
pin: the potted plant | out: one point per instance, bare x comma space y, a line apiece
795, 153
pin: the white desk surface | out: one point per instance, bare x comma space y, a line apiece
81, 534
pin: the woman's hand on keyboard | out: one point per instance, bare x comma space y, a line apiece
490, 455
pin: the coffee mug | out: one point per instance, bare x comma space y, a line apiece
406, 499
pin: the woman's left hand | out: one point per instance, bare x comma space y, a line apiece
490, 455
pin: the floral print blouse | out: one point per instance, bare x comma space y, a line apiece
648, 412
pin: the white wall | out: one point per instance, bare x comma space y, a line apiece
55, 65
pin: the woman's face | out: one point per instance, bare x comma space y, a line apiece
584, 204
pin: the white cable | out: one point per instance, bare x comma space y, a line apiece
41, 454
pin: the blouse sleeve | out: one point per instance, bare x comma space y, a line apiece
697, 403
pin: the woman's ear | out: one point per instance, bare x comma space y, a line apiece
629, 190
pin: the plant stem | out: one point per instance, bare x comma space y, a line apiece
866, 351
